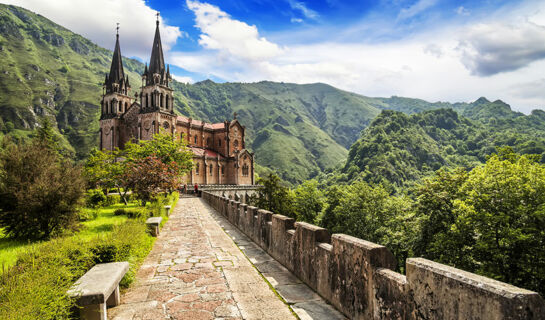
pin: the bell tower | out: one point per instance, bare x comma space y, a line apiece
156, 94
115, 100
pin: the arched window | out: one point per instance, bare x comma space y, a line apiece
211, 170
208, 142
146, 105
219, 142
197, 169
195, 139
236, 144
166, 101
245, 170
126, 106
161, 101
120, 106
223, 170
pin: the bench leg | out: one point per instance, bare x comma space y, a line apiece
114, 299
93, 312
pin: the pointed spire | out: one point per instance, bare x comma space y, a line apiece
157, 62
117, 75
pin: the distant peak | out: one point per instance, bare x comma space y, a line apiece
481, 100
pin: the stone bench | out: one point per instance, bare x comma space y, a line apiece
153, 225
167, 208
98, 288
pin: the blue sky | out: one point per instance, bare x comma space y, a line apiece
436, 50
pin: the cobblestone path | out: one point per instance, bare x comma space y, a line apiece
195, 271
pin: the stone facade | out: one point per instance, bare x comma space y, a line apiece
219, 152
357, 277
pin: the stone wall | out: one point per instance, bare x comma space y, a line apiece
356, 276
240, 193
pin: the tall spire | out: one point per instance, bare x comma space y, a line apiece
157, 62
116, 70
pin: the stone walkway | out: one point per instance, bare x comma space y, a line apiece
196, 271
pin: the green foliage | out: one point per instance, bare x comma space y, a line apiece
94, 198
308, 201
274, 196
36, 287
39, 190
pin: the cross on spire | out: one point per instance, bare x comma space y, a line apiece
117, 28
157, 14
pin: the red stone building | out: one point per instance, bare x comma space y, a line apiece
219, 152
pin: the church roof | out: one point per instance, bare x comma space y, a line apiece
117, 74
157, 62
198, 123
209, 153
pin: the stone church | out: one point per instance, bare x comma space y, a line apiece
219, 153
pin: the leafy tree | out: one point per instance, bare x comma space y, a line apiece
105, 169
308, 201
503, 212
163, 146
150, 176
39, 190
274, 196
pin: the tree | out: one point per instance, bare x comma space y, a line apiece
164, 147
308, 201
150, 176
503, 212
274, 196
105, 169
39, 190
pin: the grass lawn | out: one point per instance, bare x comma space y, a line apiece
103, 224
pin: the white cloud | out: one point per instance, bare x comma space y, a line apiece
97, 19
300, 6
462, 11
183, 79
490, 48
415, 9
229, 36
296, 20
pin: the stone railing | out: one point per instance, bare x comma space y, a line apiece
357, 277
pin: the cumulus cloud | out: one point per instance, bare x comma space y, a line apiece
493, 48
97, 20
415, 9
462, 11
229, 36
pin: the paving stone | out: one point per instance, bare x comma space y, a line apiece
294, 293
192, 272
270, 266
280, 278
317, 310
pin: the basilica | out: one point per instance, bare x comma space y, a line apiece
219, 153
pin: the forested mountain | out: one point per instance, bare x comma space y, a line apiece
296, 130
399, 149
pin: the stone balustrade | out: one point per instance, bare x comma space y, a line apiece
357, 277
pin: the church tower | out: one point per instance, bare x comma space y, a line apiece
156, 98
115, 101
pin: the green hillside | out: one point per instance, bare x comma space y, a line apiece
296, 130
398, 149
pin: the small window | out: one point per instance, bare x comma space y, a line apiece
223, 170
195, 139
245, 170
219, 142
207, 142
211, 170
197, 169
236, 144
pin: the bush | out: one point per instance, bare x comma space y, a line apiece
35, 288
112, 199
120, 212
94, 198
39, 191
86, 214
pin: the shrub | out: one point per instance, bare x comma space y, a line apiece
39, 191
35, 288
94, 198
112, 199
120, 212
86, 214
